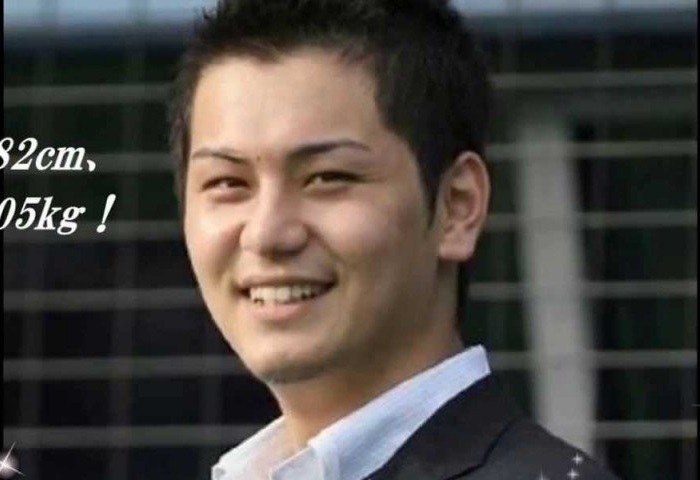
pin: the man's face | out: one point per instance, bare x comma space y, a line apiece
304, 218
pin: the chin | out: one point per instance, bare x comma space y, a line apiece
286, 370
290, 373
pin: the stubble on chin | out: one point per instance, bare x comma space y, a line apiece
289, 376
292, 371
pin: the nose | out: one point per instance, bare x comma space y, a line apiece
274, 227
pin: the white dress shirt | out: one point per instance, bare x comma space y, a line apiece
360, 443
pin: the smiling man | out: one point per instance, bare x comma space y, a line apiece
332, 185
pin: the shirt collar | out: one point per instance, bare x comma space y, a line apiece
255, 456
366, 439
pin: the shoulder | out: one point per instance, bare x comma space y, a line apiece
527, 451
481, 434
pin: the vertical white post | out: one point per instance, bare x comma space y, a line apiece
559, 334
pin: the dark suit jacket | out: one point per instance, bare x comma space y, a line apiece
481, 435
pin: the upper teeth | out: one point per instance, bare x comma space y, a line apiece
287, 293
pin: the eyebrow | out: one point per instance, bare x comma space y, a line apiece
300, 152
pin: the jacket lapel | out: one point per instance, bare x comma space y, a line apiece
456, 438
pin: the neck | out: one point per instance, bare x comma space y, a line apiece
312, 405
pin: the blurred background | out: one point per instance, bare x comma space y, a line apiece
584, 286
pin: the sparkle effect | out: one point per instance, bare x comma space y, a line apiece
572, 474
7, 465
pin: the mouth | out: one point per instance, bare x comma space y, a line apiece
285, 304
270, 295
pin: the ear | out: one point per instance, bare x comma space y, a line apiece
462, 206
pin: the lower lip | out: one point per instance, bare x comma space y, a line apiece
282, 312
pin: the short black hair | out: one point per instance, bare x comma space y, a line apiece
432, 87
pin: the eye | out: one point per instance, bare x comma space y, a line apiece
224, 183
331, 177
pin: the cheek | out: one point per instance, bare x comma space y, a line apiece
209, 244
357, 232
366, 235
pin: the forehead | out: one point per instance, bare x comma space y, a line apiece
310, 94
